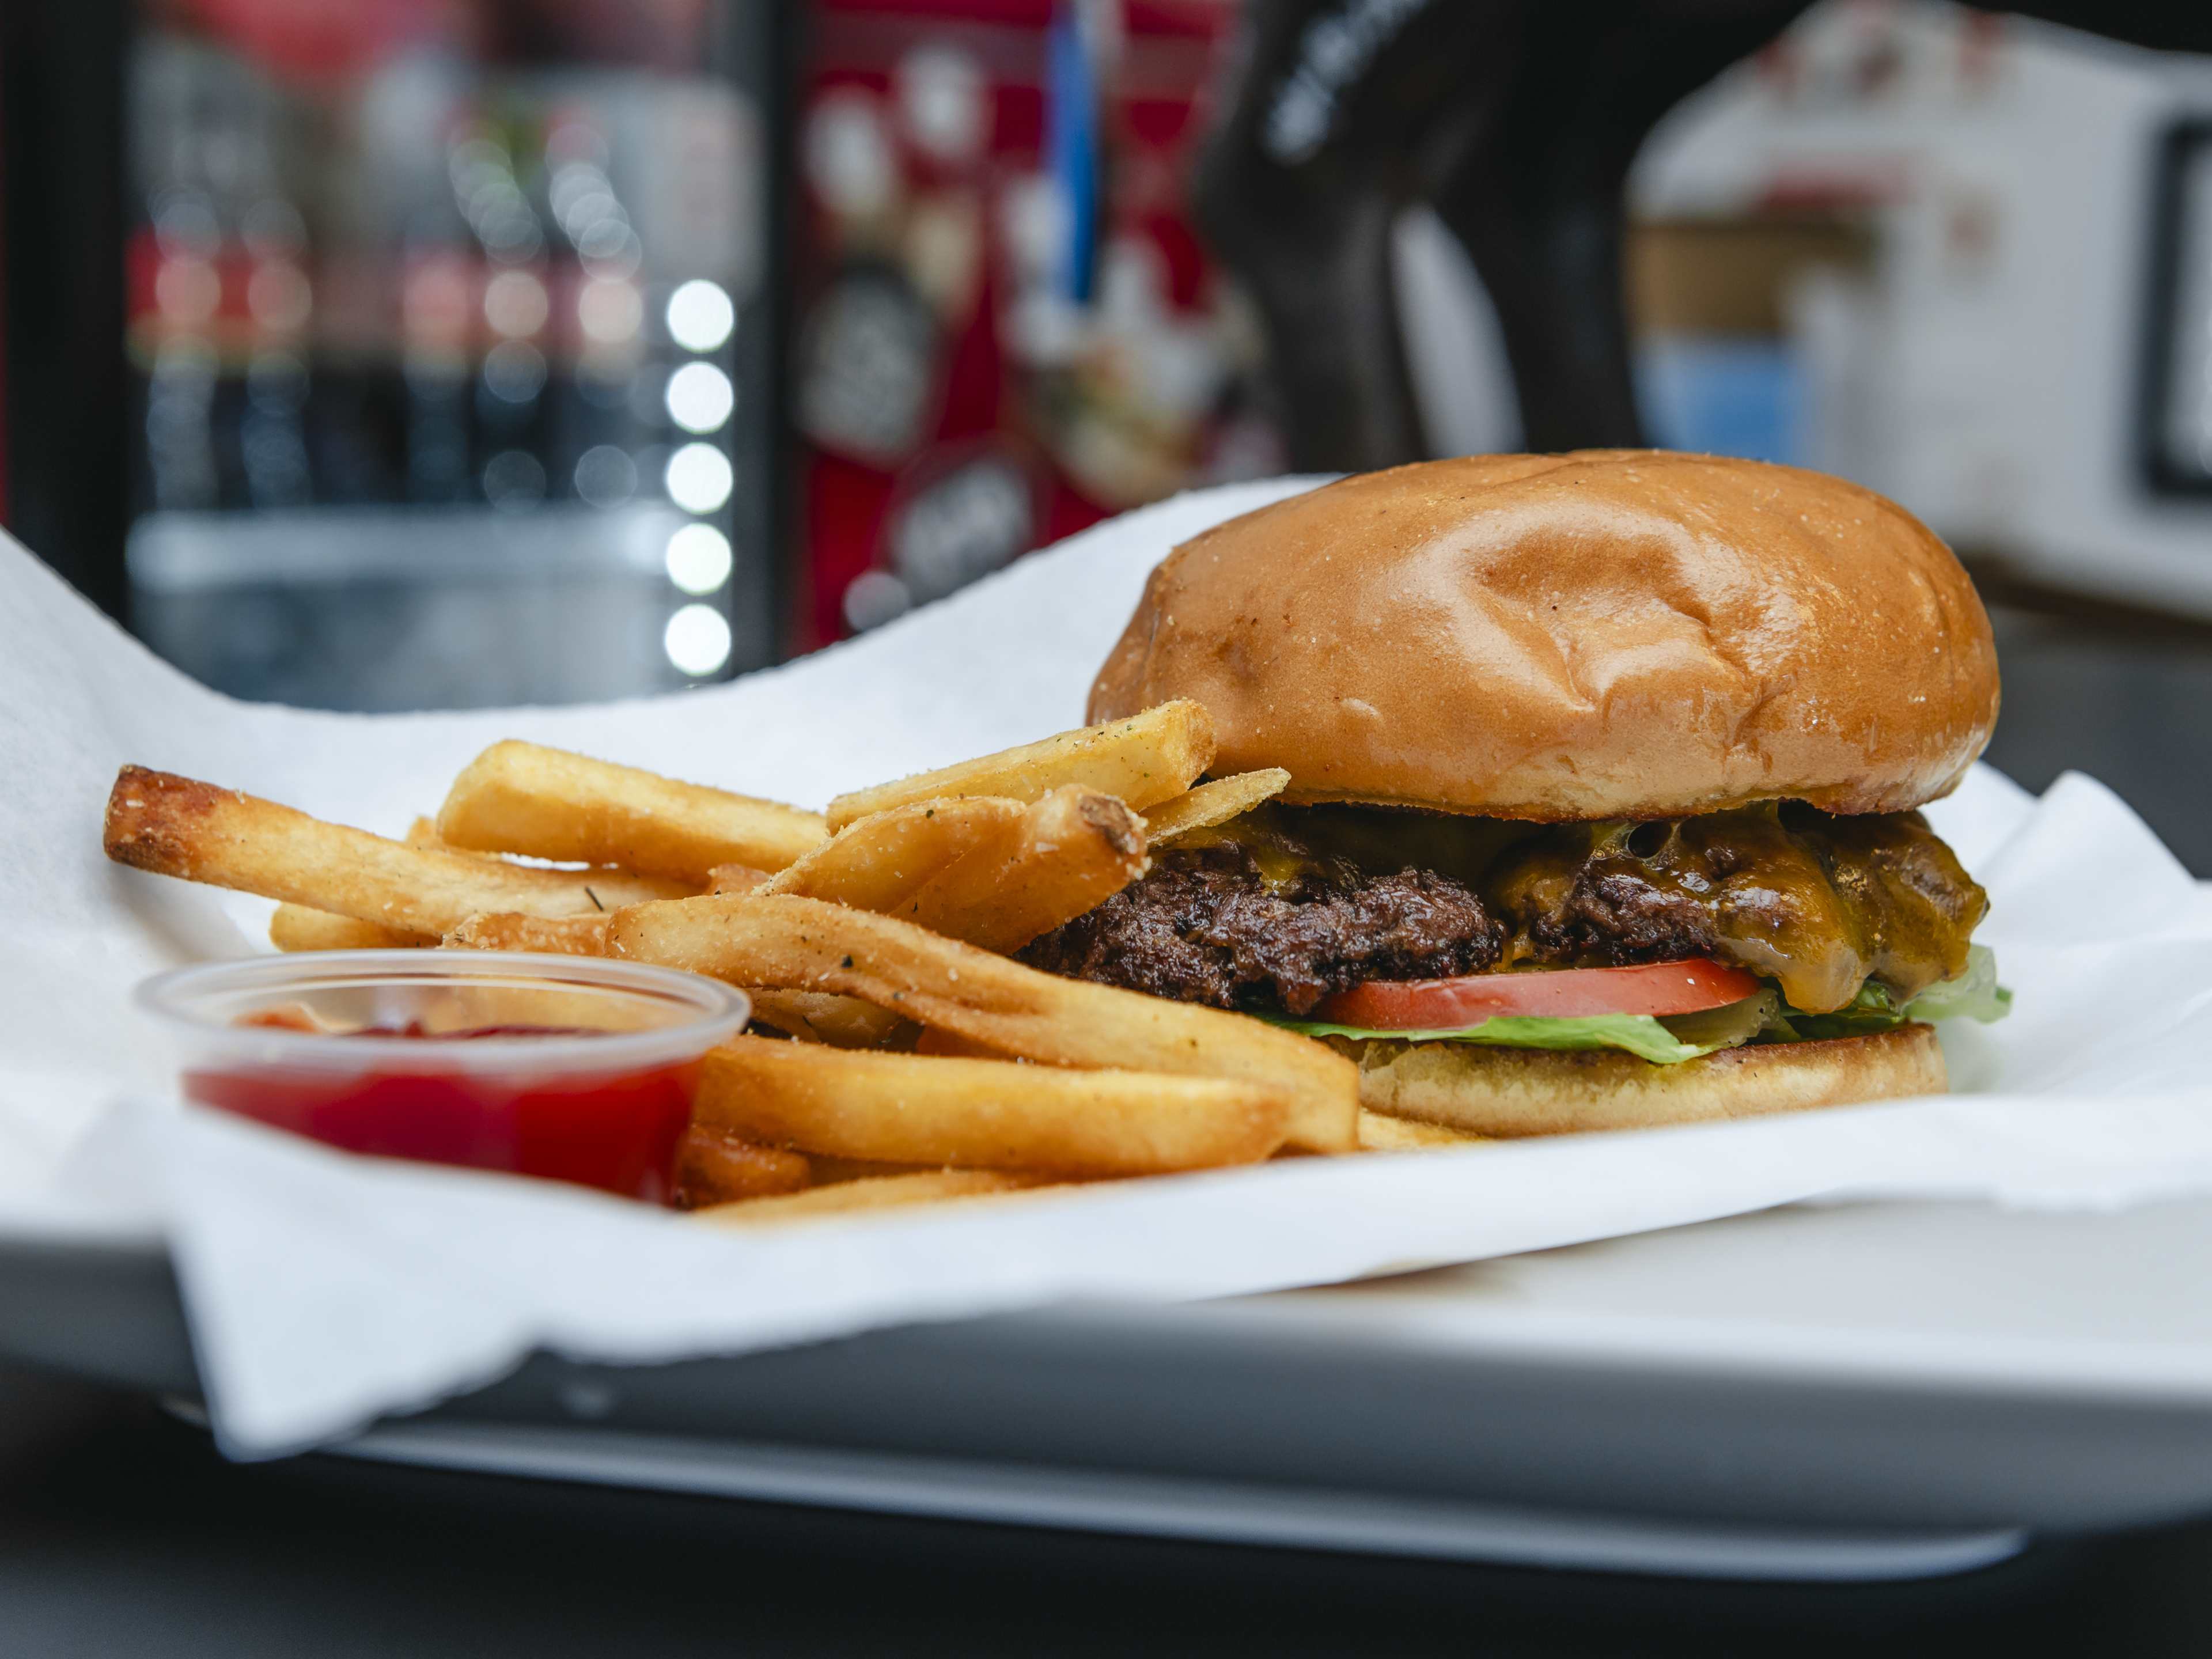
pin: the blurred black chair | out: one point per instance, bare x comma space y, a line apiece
1517, 122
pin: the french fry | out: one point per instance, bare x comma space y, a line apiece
548, 804
1213, 803
1380, 1132
818, 1017
574, 936
983, 1113
874, 1192
1144, 759
935, 1040
296, 927
180, 827
877, 863
795, 944
1074, 850
830, 1171
713, 1167
734, 878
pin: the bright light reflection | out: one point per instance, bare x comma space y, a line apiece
700, 398
699, 558
698, 639
698, 478
699, 315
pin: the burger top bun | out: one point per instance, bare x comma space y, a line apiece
1606, 633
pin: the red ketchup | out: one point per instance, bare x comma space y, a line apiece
612, 1128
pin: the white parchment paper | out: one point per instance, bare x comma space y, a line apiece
324, 1291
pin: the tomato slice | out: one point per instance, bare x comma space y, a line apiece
1449, 1004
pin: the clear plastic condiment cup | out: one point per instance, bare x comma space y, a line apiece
570, 1068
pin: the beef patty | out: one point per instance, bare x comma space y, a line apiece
1274, 917
1204, 927
1610, 918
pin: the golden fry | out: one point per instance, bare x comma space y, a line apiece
818, 1017
180, 827
983, 1113
574, 936
1214, 803
876, 863
830, 1171
734, 878
1380, 1132
1143, 760
296, 927
874, 1192
795, 944
935, 1040
713, 1167
548, 804
1074, 850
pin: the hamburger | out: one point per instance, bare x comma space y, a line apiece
1604, 779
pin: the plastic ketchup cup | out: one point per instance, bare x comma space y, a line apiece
570, 1068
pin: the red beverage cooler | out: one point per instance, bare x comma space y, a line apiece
403, 354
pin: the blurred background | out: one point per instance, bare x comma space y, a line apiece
431, 353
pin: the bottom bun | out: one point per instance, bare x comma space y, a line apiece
1543, 1091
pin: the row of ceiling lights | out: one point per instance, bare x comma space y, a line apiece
701, 399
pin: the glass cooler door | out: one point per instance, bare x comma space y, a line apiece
450, 328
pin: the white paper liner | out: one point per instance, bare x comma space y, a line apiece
324, 1291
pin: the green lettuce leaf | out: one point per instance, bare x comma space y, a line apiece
1639, 1034
1975, 994
1872, 1010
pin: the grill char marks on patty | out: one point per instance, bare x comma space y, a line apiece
1286, 906
1613, 917
1205, 926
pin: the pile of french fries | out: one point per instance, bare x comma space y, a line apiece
911, 1059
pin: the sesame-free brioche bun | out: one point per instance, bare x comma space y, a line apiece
1606, 633
1542, 1091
